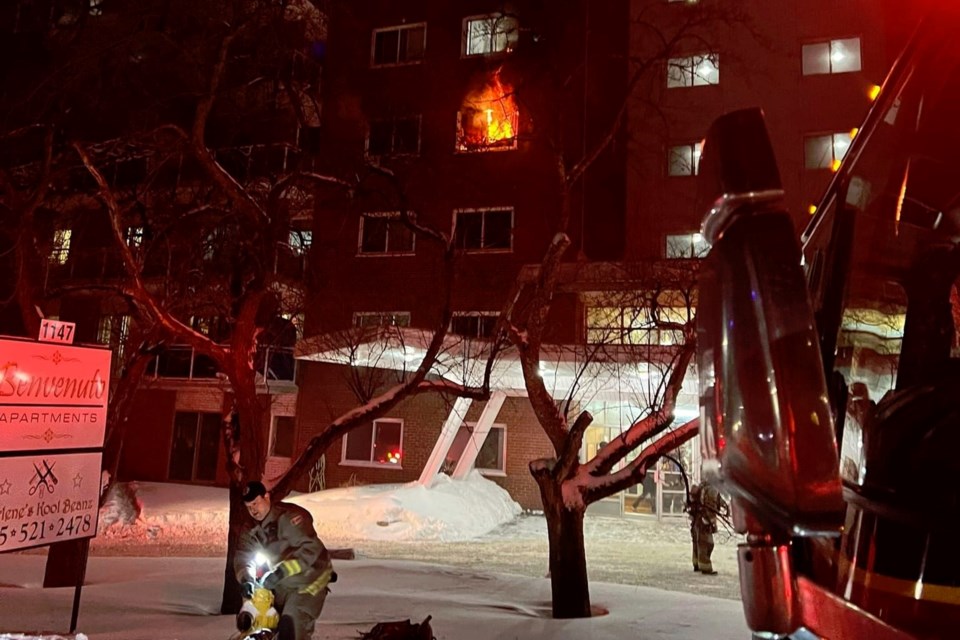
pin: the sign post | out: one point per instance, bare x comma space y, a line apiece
53, 414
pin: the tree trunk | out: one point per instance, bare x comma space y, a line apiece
232, 600
568, 563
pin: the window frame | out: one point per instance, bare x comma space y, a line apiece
382, 314
398, 28
680, 64
834, 161
473, 314
370, 463
301, 247
695, 238
491, 18
830, 43
484, 211
393, 153
60, 246
387, 252
272, 440
696, 148
485, 471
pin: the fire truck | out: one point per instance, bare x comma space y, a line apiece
829, 364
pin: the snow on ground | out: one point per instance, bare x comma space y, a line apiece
470, 526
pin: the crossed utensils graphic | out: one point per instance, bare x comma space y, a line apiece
45, 479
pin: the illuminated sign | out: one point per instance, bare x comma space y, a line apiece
52, 396
48, 498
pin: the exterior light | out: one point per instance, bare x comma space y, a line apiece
835, 166
874, 92
812, 209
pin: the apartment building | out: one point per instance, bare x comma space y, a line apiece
451, 108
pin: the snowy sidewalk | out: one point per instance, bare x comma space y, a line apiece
178, 599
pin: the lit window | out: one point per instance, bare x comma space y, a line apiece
113, 331
489, 34
281, 437
686, 1
483, 229
641, 325
381, 319
686, 245
134, 238
384, 233
492, 454
60, 251
300, 241
96, 8
832, 56
394, 137
684, 160
378, 443
474, 324
825, 151
693, 71
399, 45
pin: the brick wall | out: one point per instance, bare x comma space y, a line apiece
324, 396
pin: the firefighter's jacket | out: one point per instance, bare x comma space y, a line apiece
287, 538
711, 503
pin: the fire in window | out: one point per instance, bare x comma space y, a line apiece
488, 118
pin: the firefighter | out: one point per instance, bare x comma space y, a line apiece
300, 566
703, 506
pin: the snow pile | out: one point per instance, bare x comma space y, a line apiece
447, 511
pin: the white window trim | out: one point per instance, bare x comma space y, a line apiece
273, 434
512, 211
464, 35
370, 464
392, 153
382, 254
829, 42
686, 63
398, 28
496, 473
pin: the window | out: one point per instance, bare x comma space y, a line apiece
687, 245
492, 454
134, 238
638, 325
96, 8
483, 35
483, 229
375, 444
399, 45
281, 436
474, 324
833, 56
195, 447
381, 319
384, 234
684, 159
60, 251
394, 137
693, 71
300, 241
825, 151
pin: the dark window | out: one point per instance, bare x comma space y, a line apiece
474, 325
484, 230
282, 443
378, 443
384, 233
399, 136
196, 441
399, 45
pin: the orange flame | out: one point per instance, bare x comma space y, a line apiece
489, 116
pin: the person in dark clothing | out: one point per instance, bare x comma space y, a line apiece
704, 505
299, 564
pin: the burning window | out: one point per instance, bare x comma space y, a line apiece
483, 35
488, 118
